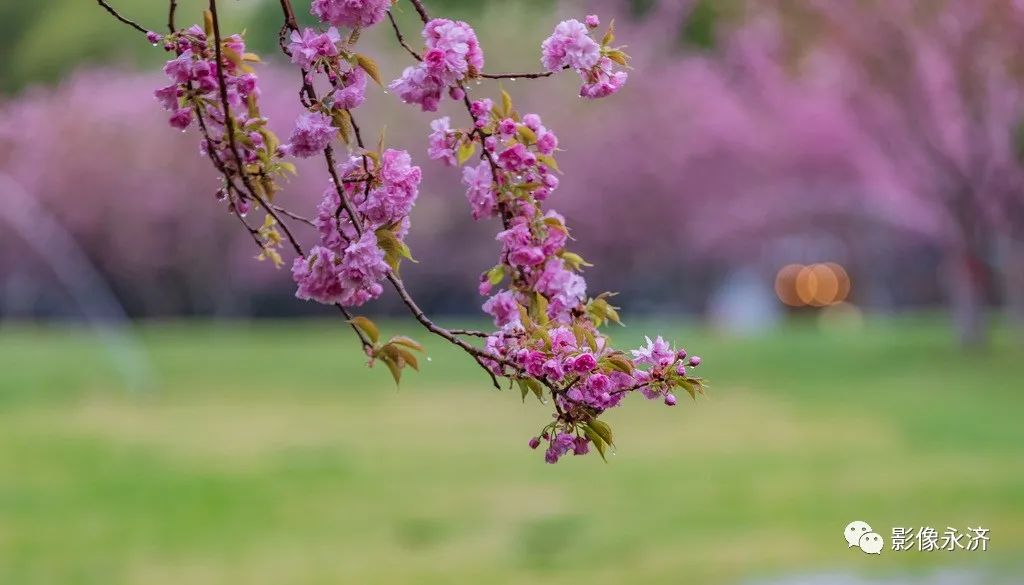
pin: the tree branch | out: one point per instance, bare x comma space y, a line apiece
401, 38
478, 354
517, 75
118, 16
422, 10
229, 124
170, 15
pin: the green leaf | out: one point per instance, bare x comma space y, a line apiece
620, 363
523, 388
693, 386
596, 439
506, 104
526, 135
466, 151
340, 120
602, 428
536, 388
609, 36
496, 275
619, 57
407, 342
208, 22
575, 261
370, 66
579, 333
394, 368
613, 314
524, 318
368, 327
394, 249
555, 224
539, 308
408, 357
549, 161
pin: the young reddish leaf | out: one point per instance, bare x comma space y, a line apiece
368, 327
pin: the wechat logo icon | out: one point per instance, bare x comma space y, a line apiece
859, 534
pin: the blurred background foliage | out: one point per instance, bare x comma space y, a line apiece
753, 135
44, 40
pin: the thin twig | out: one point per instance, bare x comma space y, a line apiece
422, 10
517, 75
292, 215
118, 16
170, 15
401, 38
469, 332
229, 123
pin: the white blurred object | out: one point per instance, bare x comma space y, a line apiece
745, 303
22, 214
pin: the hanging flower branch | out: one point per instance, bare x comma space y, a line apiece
547, 339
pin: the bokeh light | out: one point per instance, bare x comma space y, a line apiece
815, 285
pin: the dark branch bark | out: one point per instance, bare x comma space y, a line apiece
170, 15
118, 16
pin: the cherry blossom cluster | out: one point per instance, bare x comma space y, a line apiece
570, 46
452, 54
349, 262
194, 87
547, 338
350, 13
248, 155
325, 53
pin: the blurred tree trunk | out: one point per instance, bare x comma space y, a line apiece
966, 288
1013, 282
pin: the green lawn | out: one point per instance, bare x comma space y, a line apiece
267, 454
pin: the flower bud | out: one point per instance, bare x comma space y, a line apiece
593, 21
695, 361
534, 442
681, 354
456, 93
153, 37
670, 399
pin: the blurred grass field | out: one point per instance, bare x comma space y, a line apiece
267, 454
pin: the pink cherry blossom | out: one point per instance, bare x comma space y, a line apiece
350, 13
570, 45
312, 134
310, 44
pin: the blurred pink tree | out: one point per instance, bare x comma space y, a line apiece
901, 113
125, 209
